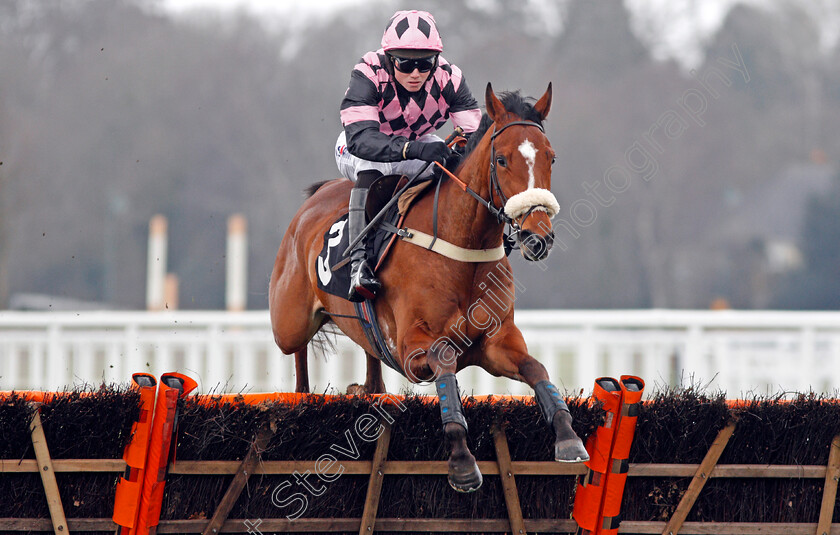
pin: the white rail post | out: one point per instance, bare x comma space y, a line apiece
804, 372
156, 263
236, 264
53, 360
587, 356
692, 361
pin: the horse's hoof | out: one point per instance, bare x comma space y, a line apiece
467, 481
570, 451
356, 390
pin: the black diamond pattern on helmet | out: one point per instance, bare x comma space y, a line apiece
401, 27
424, 26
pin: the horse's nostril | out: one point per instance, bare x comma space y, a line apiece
535, 246
549, 240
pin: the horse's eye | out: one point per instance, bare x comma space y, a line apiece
501, 161
553, 159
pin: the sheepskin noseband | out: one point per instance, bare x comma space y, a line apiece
536, 198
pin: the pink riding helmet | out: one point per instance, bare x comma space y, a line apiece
412, 30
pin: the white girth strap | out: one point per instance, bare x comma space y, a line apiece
449, 250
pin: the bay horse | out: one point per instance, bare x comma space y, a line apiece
437, 314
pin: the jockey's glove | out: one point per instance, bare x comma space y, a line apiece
428, 152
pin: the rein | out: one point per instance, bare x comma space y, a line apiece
499, 213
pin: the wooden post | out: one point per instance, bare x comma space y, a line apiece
699, 480
517, 524
42, 455
832, 476
246, 468
375, 483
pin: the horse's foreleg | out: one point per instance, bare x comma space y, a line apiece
464, 475
506, 354
301, 371
373, 380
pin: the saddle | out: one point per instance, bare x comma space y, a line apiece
334, 269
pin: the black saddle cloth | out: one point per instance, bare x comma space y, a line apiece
333, 269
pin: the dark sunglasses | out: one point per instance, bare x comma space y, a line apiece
407, 65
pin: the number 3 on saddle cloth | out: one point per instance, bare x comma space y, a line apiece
333, 270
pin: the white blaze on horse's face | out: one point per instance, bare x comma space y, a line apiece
539, 199
529, 152
533, 207
532, 198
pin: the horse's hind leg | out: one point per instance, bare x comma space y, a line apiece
373, 380
301, 371
507, 355
295, 315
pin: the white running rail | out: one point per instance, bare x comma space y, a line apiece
735, 351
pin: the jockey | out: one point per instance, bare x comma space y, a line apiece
398, 95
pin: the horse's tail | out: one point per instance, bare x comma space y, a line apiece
324, 341
312, 188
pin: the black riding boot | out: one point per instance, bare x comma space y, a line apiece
363, 283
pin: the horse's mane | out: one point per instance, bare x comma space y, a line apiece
514, 103
310, 190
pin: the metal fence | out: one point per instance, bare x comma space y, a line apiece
735, 351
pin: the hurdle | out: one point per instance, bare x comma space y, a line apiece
227, 456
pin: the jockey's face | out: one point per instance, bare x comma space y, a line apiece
411, 81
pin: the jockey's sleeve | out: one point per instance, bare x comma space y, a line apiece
360, 117
463, 107
372, 145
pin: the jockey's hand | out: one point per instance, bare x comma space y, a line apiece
428, 152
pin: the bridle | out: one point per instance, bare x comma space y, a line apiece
495, 189
494, 186
513, 238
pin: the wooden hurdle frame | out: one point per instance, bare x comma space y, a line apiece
378, 467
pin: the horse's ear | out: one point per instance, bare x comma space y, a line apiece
494, 106
543, 105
